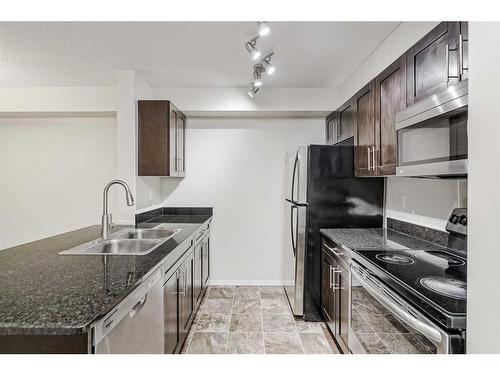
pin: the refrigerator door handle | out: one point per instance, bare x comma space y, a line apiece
293, 231
295, 165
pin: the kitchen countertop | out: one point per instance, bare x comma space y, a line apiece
45, 293
381, 239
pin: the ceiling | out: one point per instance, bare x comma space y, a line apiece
307, 54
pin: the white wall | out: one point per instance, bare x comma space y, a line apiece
483, 288
52, 175
237, 167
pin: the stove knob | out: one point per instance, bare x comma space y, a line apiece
463, 220
453, 219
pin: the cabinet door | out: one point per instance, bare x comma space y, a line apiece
171, 314
464, 50
181, 144
364, 116
197, 278
331, 128
186, 305
327, 291
432, 63
345, 122
173, 144
390, 97
205, 267
341, 281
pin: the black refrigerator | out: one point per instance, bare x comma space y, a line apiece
322, 192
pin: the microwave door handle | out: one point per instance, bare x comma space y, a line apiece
425, 329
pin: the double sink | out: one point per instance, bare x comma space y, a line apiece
127, 242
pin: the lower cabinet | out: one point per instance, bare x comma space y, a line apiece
335, 287
205, 264
183, 289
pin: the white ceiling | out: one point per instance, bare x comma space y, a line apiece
307, 54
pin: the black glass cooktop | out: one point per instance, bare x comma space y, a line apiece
434, 276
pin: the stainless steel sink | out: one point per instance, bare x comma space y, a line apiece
144, 234
125, 242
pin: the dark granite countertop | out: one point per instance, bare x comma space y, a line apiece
45, 293
381, 239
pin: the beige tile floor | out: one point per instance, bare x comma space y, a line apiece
253, 320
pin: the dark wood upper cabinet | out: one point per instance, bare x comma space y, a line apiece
161, 139
390, 97
437, 61
331, 128
363, 110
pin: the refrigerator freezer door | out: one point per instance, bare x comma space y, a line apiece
296, 183
294, 253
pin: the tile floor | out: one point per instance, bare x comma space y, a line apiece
253, 320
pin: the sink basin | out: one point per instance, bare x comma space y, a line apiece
126, 242
115, 246
144, 234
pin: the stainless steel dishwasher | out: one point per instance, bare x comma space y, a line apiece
136, 324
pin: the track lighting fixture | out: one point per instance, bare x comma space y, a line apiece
263, 28
251, 48
266, 62
252, 92
257, 75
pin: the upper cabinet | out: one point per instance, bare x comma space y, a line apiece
162, 139
390, 97
363, 109
437, 61
339, 125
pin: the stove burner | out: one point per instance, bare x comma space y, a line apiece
439, 257
445, 286
395, 259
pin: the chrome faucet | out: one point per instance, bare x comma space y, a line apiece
106, 217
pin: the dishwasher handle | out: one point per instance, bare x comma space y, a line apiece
138, 306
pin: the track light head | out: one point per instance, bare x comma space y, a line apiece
263, 28
270, 68
257, 78
252, 92
252, 49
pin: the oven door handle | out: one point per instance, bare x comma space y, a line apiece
424, 328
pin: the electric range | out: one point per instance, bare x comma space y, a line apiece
408, 300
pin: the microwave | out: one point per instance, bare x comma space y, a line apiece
432, 135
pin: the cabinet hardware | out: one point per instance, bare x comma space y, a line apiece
448, 50
461, 68
333, 250
374, 158
369, 168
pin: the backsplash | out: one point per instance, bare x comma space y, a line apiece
424, 233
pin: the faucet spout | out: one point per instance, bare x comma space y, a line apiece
106, 217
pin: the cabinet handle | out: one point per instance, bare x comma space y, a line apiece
374, 158
448, 63
461, 55
333, 271
369, 168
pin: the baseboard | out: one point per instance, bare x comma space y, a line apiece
246, 282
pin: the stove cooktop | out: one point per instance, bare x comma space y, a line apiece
435, 277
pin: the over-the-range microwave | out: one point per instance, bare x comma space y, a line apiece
432, 135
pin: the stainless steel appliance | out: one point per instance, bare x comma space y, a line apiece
432, 135
411, 301
322, 193
136, 324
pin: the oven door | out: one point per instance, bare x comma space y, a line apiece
382, 322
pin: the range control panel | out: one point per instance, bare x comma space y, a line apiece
457, 222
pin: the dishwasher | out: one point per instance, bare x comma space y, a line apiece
136, 324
